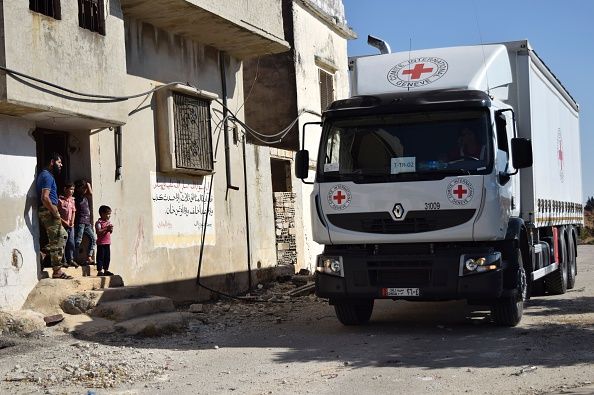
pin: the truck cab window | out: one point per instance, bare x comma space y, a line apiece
425, 143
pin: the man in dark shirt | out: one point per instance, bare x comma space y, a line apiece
49, 216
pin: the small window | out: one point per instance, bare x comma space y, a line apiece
501, 125
91, 15
326, 89
193, 146
46, 7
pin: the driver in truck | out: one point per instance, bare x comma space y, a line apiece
468, 146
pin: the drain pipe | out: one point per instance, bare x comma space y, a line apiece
225, 122
247, 218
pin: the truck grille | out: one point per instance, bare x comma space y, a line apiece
399, 274
415, 221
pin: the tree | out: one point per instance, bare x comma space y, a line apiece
590, 204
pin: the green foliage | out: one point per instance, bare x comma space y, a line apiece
590, 204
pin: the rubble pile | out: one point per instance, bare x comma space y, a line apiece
88, 365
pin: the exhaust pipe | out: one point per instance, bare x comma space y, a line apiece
378, 43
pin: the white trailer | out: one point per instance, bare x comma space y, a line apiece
451, 173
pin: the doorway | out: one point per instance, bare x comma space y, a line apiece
284, 212
49, 141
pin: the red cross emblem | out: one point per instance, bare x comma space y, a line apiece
460, 191
417, 71
339, 197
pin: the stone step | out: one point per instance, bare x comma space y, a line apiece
47, 296
94, 283
85, 282
112, 294
154, 324
84, 302
125, 309
81, 271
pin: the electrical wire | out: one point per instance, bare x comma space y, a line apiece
94, 96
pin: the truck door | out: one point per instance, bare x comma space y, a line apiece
504, 123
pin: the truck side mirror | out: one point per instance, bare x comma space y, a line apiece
302, 164
521, 152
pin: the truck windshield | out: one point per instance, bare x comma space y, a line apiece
406, 146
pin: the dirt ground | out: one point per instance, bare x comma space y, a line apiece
290, 345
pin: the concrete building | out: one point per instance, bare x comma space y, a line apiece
188, 195
299, 84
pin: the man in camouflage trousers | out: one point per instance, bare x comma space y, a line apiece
47, 191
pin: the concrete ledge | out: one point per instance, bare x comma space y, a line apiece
122, 310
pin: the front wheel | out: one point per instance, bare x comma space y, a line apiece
354, 312
508, 310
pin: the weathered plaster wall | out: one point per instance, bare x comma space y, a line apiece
265, 14
61, 52
18, 218
155, 57
315, 46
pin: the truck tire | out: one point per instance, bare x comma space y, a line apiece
508, 310
354, 312
571, 261
556, 282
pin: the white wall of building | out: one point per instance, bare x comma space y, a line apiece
61, 52
19, 227
317, 46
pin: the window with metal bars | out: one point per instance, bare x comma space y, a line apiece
46, 7
326, 89
91, 15
193, 143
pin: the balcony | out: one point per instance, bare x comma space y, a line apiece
242, 28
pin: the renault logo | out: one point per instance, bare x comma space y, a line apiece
398, 211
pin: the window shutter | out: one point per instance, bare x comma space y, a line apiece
326, 89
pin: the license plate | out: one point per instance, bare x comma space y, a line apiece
400, 292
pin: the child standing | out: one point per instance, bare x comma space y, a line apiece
82, 194
66, 207
104, 229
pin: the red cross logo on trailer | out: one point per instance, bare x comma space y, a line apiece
417, 72
339, 197
460, 192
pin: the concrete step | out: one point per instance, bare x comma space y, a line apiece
48, 294
125, 309
85, 283
94, 283
154, 324
81, 271
112, 294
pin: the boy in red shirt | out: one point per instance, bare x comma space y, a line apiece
66, 207
104, 229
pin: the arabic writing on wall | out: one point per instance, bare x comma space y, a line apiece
180, 207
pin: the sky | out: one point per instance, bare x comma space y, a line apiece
560, 31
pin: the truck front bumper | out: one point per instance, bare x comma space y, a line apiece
438, 275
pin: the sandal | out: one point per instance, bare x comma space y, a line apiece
62, 276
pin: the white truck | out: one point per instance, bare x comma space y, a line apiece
450, 173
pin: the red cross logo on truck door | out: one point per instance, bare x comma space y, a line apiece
417, 71
339, 197
460, 191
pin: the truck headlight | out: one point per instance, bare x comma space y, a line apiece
330, 265
479, 264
